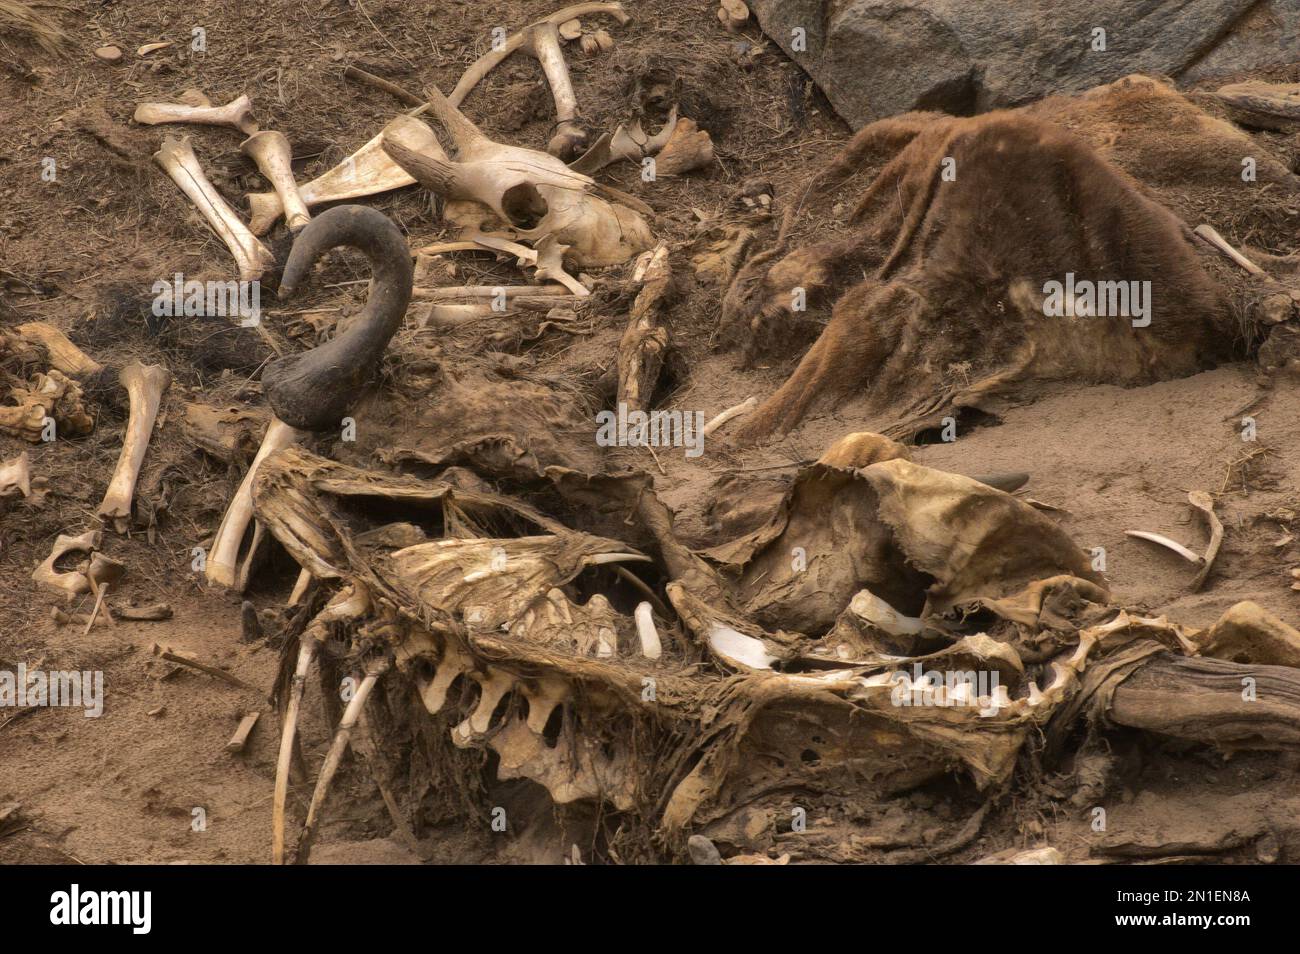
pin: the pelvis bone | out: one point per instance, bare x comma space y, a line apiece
531, 195
70, 583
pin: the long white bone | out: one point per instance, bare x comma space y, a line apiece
177, 158
223, 560
144, 387
544, 43
237, 114
270, 150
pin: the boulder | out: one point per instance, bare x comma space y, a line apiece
878, 58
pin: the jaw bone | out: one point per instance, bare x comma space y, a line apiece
177, 158
237, 114
144, 386
366, 172
534, 194
270, 150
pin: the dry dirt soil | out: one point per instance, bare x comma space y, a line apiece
83, 251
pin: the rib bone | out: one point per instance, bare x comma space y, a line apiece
1205, 504
356, 705
144, 386
1211, 235
223, 561
349, 603
237, 114
177, 158
270, 150
1168, 544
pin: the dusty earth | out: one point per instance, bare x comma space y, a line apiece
82, 252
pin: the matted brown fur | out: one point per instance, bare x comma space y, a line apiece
938, 287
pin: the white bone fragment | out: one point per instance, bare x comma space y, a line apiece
299, 588
628, 141
65, 357
733, 14
177, 158
651, 648
1205, 504
349, 603
491, 291
102, 574
144, 387
738, 649
569, 138
1210, 235
880, 614
274, 158
722, 418
16, 474
238, 113
309, 643
1168, 544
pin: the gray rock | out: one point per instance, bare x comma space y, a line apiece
877, 58
702, 851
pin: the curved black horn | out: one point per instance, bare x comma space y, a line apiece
313, 391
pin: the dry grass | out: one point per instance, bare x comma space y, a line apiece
21, 19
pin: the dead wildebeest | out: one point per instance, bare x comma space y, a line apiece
999, 252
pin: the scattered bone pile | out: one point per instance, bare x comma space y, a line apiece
886, 624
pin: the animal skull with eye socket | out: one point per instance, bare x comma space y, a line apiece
526, 194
